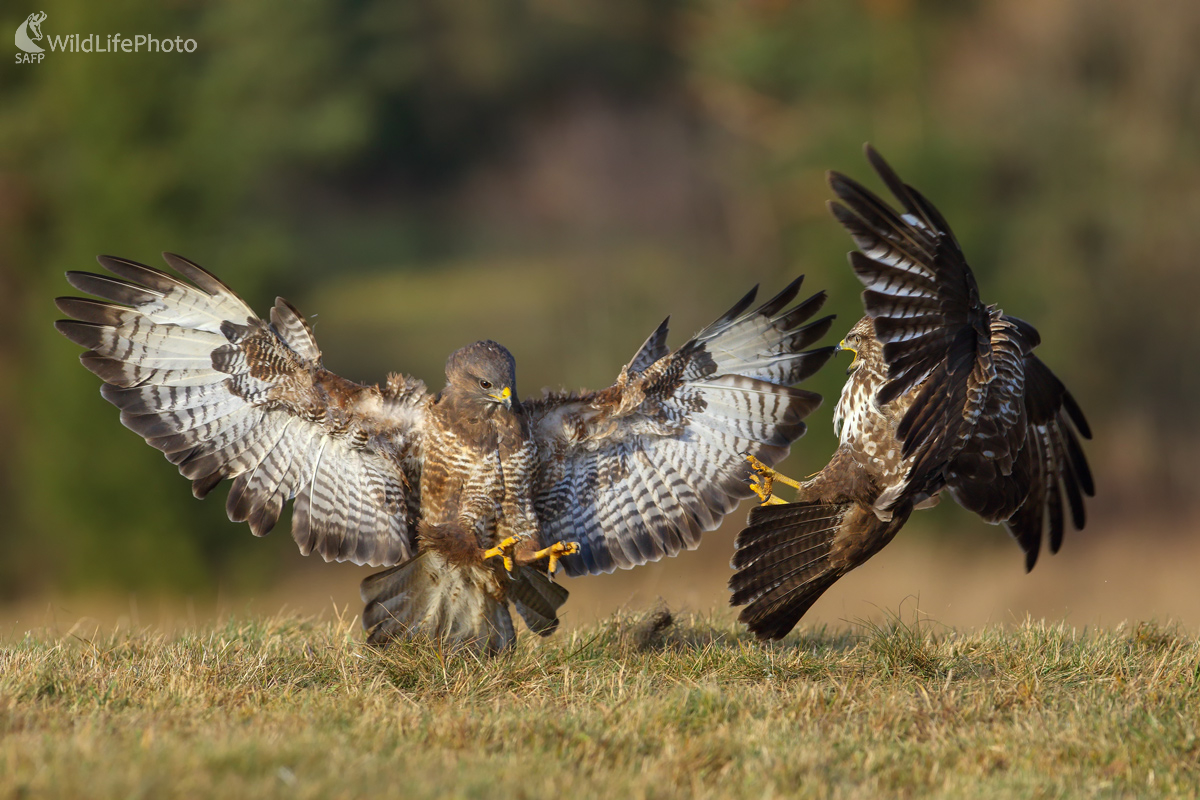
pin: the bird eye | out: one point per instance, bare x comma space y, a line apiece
484, 384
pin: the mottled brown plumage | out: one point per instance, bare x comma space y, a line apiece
468, 495
944, 394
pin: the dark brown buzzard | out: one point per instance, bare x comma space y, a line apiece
469, 495
944, 393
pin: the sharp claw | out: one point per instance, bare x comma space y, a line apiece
762, 481
503, 550
564, 549
555, 552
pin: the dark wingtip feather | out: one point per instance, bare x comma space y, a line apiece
799, 313
106, 261
897, 187
202, 486
84, 334
780, 301
740, 306
812, 361
140, 273
809, 334
653, 349
113, 289
845, 188
1076, 415
882, 168
93, 311
68, 306
197, 274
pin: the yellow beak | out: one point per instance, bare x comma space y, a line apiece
843, 346
504, 397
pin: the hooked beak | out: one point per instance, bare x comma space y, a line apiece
503, 397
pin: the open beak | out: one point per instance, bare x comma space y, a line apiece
843, 346
503, 397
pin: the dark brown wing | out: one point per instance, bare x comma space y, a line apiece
990, 420
225, 394
640, 470
1050, 476
925, 304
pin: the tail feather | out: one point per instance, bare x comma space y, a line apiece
427, 597
783, 564
537, 599
776, 531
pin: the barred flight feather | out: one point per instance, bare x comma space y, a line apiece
654, 348
640, 470
226, 395
537, 599
905, 279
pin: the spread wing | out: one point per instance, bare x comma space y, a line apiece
224, 394
1057, 470
927, 312
989, 418
640, 470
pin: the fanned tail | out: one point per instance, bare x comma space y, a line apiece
429, 597
783, 562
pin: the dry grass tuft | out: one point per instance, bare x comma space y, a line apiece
649, 706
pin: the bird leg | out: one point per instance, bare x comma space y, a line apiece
507, 550
504, 549
554, 552
762, 480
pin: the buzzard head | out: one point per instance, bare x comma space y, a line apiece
862, 343
482, 376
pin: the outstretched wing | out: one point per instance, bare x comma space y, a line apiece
925, 304
640, 470
224, 394
990, 419
1050, 476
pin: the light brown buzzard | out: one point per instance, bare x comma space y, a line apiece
469, 495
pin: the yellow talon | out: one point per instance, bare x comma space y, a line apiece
554, 552
762, 480
761, 486
504, 550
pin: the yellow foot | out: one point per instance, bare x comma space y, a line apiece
762, 480
554, 552
503, 550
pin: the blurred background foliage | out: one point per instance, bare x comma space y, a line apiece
561, 174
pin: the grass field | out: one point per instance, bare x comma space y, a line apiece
633, 707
